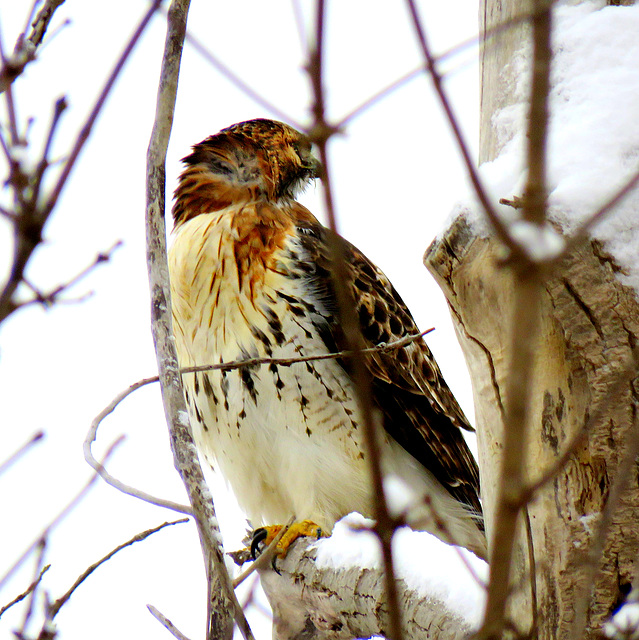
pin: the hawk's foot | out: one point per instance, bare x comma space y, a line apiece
296, 530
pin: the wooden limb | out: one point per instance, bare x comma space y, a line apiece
223, 607
316, 603
589, 325
166, 623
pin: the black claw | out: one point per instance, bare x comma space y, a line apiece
318, 533
274, 565
259, 535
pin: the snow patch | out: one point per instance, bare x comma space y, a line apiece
399, 496
624, 625
424, 562
540, 242
593, 141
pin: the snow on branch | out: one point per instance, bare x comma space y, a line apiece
334, 587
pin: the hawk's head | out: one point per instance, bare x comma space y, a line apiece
247, 161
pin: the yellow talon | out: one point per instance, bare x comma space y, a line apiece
296, 530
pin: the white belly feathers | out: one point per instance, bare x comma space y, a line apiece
284, 437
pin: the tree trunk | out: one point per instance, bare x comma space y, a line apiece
585, 377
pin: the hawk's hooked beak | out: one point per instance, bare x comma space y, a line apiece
315, 168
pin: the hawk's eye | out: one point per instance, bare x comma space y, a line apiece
303, 149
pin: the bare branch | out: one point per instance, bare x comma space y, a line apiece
25, 49
31, 588
166, 623
299, 24
31, 217
382, 93
534, 209
223, 606
605, 209
99, 467
285, 362
227, 366
525, 326
52, 297
97, 108
244, 87
41, 23
39, 565
320, 133
55, 607
480, 191
35, 438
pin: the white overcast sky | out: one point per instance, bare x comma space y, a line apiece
397, 174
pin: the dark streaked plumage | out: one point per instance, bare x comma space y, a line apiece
251, 276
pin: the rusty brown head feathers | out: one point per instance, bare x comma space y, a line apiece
245, 162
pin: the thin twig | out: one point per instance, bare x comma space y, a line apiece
285, 362
498, 225
36, 216
35, 438
61, 515
382, 93
11, 114
525, 327
474, 41
298, 14
26, 592
227, 366
55, 607
99, 466
404, 518
25, 49
320, 133
244, 87
29, 20
39, 565
166, 623
581, 233
58, 109
50, 298
97, 108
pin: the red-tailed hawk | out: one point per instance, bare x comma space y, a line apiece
251, 277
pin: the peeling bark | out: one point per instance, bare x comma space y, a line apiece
311, 603
590, 325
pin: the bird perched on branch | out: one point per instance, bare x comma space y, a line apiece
251, 277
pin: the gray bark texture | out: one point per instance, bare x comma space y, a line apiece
590, 325
311, 603
585, 520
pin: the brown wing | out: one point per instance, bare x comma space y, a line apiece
419, 410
